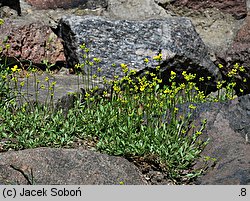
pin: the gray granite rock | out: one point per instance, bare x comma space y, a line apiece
13, 4
134, 10
130, 42
47, 166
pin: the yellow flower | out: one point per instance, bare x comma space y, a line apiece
7, 46
124, 101
132, 72
173, 75
14, 79
219, 85
84, 56
158, 57
42, 86
236, 66
99, 69
146, 60
116, 88
232, 72
189, 76
33, 70
142, 88
83, 46
198, 132
167, 91
182, 86
1, 21
4, 77
220, 66
47, 79
97, 60
191, 106
159, 81
233, 84
14, 69
86, 50
123, 65
95, 88
152, 74
87, 95
242, 69
27, 75
22, 83
125, 70
91, 63
233, 97
77, 66
245, 80
201, 79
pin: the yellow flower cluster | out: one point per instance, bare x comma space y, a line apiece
188, 77
158, 57
1, 22
173, 75
124, 68
235, 70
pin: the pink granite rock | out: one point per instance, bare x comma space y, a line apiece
238, 8
239, 52
31, 41
52, 4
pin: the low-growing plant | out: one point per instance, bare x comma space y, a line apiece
140, 118
131, 116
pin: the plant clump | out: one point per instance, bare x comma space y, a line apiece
131, 117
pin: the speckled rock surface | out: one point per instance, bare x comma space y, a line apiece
216, 28
215, 22
13, 4
239, 52
47, 166
237, 8
134, 10
32, 41
52, 4
228, 132
130, 42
